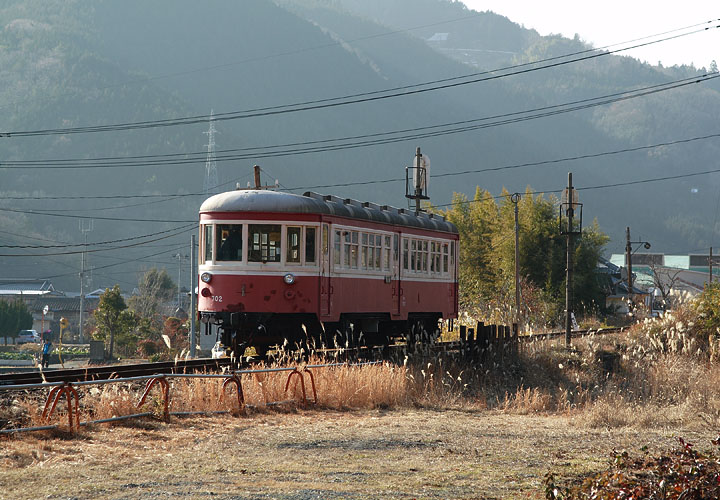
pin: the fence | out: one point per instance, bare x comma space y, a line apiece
498, 343
69, 391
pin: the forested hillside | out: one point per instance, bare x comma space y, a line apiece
83, 63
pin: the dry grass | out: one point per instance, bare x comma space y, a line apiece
601, 381
440, 426
403, 453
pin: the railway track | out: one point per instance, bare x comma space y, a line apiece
114, 371
211, 365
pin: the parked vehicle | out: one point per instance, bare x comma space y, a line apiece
28, 337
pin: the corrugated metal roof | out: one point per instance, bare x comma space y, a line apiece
313, 203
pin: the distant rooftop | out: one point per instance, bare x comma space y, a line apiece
19, 286
695, 262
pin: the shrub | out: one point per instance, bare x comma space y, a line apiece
146, 348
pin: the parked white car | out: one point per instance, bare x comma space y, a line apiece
27, 337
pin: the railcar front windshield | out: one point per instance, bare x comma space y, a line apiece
229, 242
264, 243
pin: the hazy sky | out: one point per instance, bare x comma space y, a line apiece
614, 21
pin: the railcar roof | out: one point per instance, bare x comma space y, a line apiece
251, 200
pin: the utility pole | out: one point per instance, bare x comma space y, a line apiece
85, 228
418, 191
515, 198
193, 284
568, 281
628, 262
710, 262
569, 209
418, 181
628, 265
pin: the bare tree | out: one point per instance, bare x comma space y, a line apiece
665, 280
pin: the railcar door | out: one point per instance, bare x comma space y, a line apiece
325, 284
396, 289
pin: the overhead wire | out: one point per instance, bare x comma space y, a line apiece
387, 137
389, 180
97, 243
126, 261
93, 250
72, 216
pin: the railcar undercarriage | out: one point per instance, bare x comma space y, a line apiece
264, 331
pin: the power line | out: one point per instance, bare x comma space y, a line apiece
518, 165
73, 252
374, 138
117, 263
125, 219
87, 245
599, 186
399, 179
440, 84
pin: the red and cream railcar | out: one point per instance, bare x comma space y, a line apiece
276, 266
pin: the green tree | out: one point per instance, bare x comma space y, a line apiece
487, 257
155, 287
476, 221
112, 319
14, 316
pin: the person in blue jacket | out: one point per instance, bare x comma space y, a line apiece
46, 350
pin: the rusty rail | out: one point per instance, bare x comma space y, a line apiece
68, 389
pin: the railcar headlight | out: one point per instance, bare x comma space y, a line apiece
289, 278
206, 277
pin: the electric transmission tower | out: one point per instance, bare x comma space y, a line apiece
211, 182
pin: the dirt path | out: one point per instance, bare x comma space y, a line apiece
352, 455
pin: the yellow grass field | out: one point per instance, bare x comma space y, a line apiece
405, 453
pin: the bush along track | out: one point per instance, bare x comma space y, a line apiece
683, 474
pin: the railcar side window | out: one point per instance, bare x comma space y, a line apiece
208, 243
228, 242
378, 251
405, 254
293, 245
386, 254
310, 245
445, 257
414, 255
264, 243
336, 248
424, 256
364, 250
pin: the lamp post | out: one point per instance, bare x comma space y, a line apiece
628, 261
569, 210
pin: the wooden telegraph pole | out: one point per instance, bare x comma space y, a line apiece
569, 205
515, 198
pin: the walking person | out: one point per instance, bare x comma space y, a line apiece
46, 350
